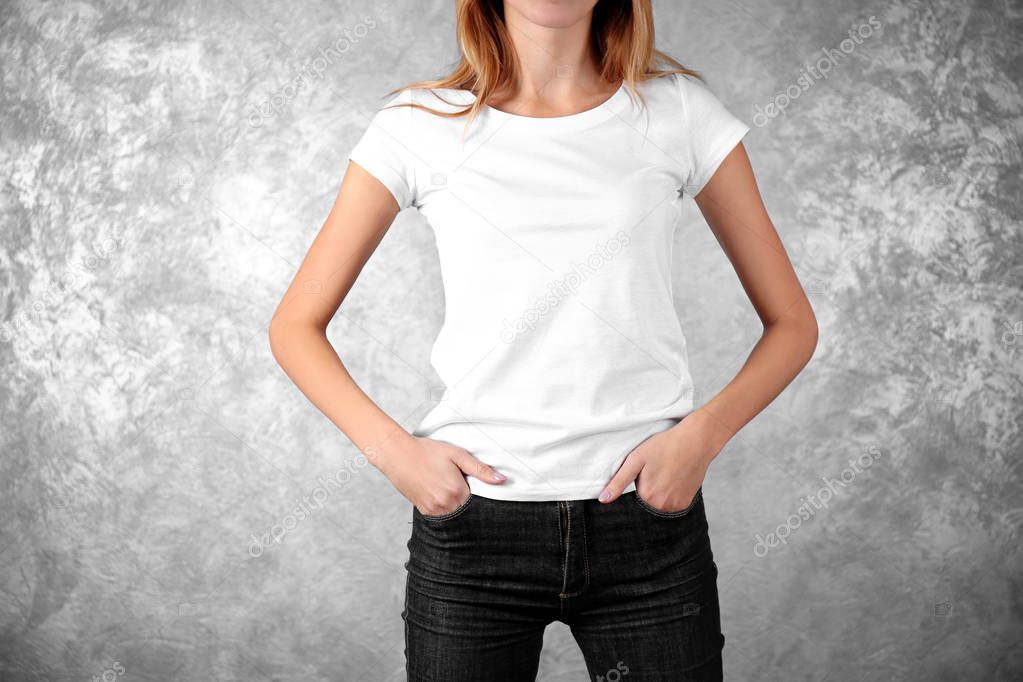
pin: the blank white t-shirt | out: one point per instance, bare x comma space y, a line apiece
561, 350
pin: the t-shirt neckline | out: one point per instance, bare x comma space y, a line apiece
596, 114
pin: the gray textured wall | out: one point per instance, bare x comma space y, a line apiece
166, 164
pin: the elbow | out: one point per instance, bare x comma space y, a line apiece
813, 335
278, 333
287, 332
801, 330
274, 332
809, 331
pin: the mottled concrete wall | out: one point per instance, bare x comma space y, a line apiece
163, 176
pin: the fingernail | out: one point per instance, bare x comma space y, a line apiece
498, 476
605, 496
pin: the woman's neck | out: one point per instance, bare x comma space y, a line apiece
558, 71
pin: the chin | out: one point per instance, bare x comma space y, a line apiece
552, 13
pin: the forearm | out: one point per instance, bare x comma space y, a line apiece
307, 357
782, 351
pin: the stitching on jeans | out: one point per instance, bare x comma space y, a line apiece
451, 514
586, 556
586, 563
568, 549
665, 514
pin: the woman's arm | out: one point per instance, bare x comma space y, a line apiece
673, 463
427, 472
732, 205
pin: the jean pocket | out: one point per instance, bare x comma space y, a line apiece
448, 515
649, 508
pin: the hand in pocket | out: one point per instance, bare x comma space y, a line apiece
669, 466
431, 475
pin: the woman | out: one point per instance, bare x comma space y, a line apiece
560, 476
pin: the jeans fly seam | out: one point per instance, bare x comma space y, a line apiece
586, 558
568, 550
586, 568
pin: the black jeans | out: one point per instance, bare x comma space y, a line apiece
636, 585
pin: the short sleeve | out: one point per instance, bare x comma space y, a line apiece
710, 133
384, 150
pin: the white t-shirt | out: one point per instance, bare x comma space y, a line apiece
561, 350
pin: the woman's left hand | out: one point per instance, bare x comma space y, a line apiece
669, 466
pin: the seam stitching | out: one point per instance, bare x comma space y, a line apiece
666, 514
450, 514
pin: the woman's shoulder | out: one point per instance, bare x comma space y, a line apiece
445, 100
679, 85
693, 91
663, 92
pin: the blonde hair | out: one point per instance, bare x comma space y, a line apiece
622, 35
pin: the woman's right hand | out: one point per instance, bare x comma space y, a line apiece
431, 475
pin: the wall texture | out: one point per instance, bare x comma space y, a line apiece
166, 164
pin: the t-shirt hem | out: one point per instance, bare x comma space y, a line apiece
543, 494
